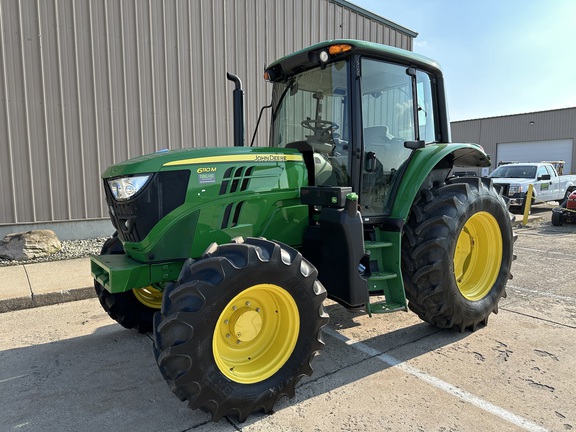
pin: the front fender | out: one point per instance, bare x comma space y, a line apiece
423, 161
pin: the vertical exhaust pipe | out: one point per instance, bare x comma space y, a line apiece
238, 104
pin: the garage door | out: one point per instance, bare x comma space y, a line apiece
537, 151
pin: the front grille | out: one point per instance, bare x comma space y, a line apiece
236, 180
135, 218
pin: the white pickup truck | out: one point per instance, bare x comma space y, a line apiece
548, 185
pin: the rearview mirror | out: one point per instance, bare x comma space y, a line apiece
414, 145
370, 164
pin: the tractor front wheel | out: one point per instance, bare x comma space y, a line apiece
240, 327
132, 309
457, 252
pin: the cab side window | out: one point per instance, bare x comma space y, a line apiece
550, 171
541, 171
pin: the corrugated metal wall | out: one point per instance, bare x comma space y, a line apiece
87, 83
536, 126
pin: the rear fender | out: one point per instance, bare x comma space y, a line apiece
440, 157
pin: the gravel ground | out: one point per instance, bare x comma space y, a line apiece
70, 249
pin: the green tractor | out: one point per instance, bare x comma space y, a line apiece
228, 254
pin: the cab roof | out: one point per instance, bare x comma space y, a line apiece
308, 58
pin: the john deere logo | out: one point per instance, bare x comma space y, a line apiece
270, 158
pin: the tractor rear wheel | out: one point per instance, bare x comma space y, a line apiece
240, 327
132, 309
457, 252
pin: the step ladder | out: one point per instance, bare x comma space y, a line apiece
385, 278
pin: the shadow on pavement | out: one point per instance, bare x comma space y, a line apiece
109, 380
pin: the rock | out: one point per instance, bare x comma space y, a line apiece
29, 245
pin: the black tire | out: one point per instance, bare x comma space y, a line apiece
456, 235
124, 308
204, 357
557, 218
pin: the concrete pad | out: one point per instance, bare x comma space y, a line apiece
57, 276
14, 282
15, 290
43, 284
52, 298
82, 372
541, 304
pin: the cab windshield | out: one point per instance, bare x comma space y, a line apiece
312, 108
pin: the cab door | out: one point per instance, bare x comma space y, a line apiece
556, 190
397, 107
546, 188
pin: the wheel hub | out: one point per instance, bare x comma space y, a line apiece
256, 333
245, 324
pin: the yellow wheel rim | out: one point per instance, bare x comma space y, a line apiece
256, 333
149, 296
478, 256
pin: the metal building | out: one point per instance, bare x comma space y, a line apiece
88, 83
531, 137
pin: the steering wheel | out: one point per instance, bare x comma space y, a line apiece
323, 139
320, 127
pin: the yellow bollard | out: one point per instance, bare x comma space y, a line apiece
527, 204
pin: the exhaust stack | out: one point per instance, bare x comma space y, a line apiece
238, 104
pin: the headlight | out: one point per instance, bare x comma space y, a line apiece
514, 189
124, 188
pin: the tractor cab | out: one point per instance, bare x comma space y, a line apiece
358, 113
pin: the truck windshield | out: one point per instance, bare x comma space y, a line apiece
514, 171
313, 108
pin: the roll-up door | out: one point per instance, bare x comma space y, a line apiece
536, 151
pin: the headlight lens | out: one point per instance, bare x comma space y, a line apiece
124, 188
514, 189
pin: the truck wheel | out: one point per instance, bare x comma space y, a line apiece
240, 327
457, 252
131, 309
563, 200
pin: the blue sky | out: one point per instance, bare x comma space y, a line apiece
499, 57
